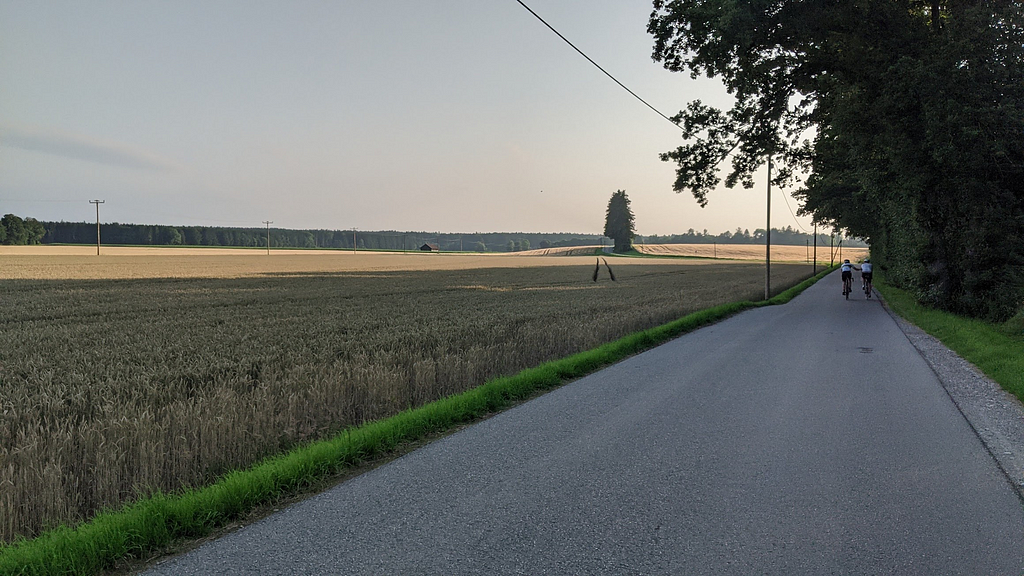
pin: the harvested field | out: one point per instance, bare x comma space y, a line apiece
153, 380
781, 253
79, 263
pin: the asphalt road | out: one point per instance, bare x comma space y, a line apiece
809, 438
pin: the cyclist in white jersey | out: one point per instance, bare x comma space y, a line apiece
865, 272
847, 270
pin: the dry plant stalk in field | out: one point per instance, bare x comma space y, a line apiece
110, 389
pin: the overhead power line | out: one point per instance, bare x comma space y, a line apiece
634, 94
591, 60
36, 201
784, 197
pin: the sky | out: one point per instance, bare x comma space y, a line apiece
449, 116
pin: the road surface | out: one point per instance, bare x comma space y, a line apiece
809, 438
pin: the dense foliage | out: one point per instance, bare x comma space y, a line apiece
18, 231
619, 222
907, 116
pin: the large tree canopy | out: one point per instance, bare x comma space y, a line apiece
907, 118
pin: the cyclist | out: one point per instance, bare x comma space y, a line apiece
865, 275
847, 270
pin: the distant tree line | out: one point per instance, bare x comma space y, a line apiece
15, 230
159, 235
787, 235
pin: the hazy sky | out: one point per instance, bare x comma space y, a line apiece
454, 116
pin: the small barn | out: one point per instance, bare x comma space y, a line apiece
430, 248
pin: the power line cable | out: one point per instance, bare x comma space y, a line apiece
784, 197
20, 201
624, 87
589, 59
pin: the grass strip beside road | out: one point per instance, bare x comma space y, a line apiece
996, 349
139, 529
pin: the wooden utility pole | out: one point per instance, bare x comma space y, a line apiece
353, 239
97, 203
268, 223
768, 237
814, 268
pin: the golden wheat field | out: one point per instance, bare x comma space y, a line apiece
780, 253
140, 371
82, 263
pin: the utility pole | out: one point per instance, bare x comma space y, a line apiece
268, 223
97, 203
353, 240
814, 267
768, 237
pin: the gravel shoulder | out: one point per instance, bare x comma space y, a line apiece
996, 416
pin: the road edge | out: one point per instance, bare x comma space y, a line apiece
995, 415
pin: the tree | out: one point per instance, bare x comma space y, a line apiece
524, 244
171, 236
210, 237
192, 236
511, 246
906, 116
34, 231
15, 227
618, 223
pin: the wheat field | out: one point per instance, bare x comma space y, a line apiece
780, 253
82, 263
125, 374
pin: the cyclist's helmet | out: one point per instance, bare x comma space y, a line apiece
867, 260
847, 261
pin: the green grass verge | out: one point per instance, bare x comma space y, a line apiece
139, 529
996, 349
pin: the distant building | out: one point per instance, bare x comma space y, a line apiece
430, 248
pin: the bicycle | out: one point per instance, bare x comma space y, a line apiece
867, 288
847, 287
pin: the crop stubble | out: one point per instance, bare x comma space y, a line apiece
110, 389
